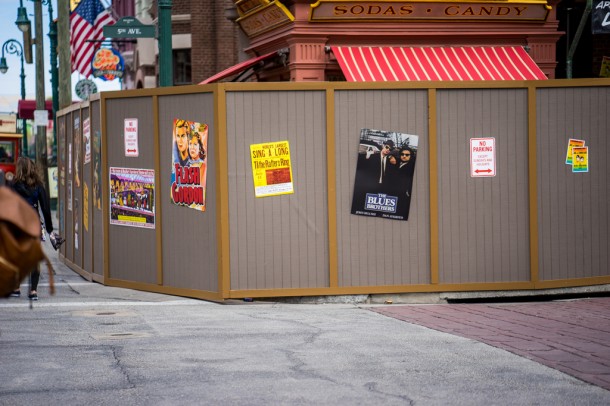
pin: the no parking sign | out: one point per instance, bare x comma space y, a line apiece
482, 157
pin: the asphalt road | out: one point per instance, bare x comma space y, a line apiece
96, 345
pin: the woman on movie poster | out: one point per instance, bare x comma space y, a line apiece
189, 164
384, 174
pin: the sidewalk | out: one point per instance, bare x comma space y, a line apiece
570, 336
106, 346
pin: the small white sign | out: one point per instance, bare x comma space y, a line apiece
131, 137
482, 157
41, 118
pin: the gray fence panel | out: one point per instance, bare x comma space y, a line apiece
95, 190
573, 208
278, 241
86, 186
190, 247
77, 186
483, 222
372, 251
69, 223
131, 249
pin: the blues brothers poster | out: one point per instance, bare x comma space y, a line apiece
384, 174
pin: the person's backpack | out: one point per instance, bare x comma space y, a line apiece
20, 248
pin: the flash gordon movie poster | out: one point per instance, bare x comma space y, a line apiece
189, 164
132, 197
384, 174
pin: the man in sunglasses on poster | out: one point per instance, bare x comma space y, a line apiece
404, 180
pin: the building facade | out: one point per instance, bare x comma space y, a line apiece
204, 41
294, 38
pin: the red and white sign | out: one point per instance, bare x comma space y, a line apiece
131, 137
482, 157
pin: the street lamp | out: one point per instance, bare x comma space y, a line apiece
23, 23
14, 47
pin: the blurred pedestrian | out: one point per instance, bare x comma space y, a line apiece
28, 184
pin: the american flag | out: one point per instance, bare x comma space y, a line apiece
86, 22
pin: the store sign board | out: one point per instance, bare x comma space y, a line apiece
333, 10
8, 123
247, 6
600, 17
85, 88
266, 18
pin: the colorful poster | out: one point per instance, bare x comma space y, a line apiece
189, 164
53, 191
86, 206
69, 159
571, 144
87, 140
604, 72
97, 170
61, 133
271, 169
76, 219
384, 174
69, 195
580, 159
132, 195
77, 151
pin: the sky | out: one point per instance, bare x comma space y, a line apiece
10, 82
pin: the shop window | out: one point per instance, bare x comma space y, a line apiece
7, 152
182, 66
335, 76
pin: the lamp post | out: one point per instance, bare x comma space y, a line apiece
13, 46
53, 71
166, 77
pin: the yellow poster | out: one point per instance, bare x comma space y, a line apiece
271, 169
580, 157
86, 206
605, 70
571, 144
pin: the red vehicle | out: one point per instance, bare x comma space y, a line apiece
9, 152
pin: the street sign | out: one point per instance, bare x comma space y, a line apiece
482, 157
129, 27
41, 118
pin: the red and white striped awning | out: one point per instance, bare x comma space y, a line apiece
387, 64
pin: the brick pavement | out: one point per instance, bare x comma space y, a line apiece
570, 336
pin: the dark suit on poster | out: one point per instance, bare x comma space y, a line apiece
371, 177
404, 184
